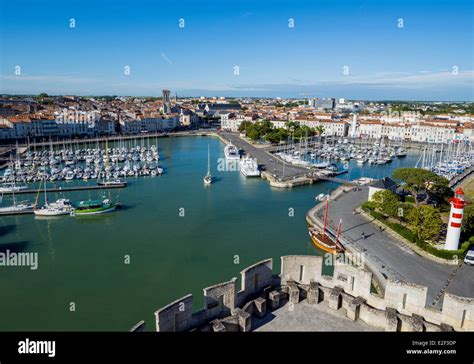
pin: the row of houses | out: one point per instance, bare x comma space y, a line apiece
30, 127
72, 122
429, 131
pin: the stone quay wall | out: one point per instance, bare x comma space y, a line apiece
402, 307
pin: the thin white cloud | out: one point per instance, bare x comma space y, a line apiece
165, 57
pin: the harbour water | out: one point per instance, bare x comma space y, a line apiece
179, 236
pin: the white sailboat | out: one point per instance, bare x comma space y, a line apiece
55, 209
106, 181
16, 208
208, 176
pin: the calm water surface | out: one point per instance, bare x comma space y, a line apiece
82, 260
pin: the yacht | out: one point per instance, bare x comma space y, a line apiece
17, 208
231, 152
11, 188
50, 210
401, 153
249, 167
115, 182
60, 207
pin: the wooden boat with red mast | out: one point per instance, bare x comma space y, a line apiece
322, 240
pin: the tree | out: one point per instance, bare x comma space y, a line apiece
319, 130
386, 201
253, 133
417, 180
403, 211
273, 137
425, 222
243, 125
42, 95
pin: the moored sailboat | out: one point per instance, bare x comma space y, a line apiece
208, 176
322, 240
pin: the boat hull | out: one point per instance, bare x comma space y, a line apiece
324, 242
50, 213
95, 211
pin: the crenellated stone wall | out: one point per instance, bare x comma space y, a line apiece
401, 308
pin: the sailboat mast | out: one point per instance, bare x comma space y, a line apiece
326, 216
45, 195
208, 161
107, 159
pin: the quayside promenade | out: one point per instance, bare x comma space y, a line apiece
388, 256
276, 171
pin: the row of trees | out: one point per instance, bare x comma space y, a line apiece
423, 219
421, 182
265, 130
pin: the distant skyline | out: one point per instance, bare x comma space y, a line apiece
371, 50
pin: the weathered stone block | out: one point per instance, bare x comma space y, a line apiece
313, 293
260, 306
274, 298
245, 323
392, 322
353, 308
416, 323
293, 292
335, 298
446, 327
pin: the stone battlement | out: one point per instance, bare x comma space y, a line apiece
401, 308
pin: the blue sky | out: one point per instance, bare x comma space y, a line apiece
383, 61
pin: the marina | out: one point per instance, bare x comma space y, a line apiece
88, 162
176, 218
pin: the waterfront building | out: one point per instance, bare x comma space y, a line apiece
187, 117
231, 121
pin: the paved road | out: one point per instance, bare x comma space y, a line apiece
264, 159
393, 258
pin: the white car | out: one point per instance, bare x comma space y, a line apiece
469, 258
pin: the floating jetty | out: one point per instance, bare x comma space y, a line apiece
66, 189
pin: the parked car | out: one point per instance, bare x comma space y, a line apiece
469, 258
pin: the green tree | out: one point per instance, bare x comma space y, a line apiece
273, 137
425, 222
243, 125
417, 180
319, 130
386, 201
253, 133
403, 211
